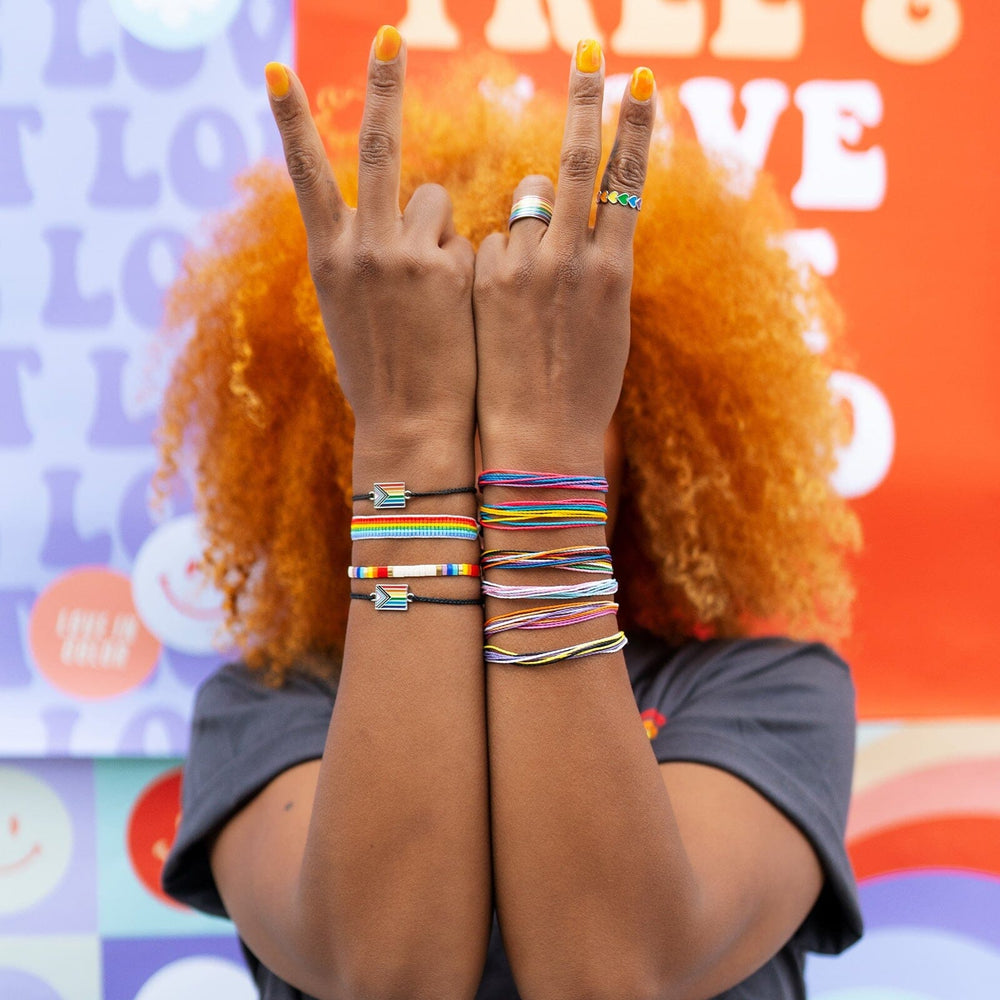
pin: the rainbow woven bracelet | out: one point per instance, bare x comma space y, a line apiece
369, 526
578, 558
607, 644
422, 569
536, 515
517, 479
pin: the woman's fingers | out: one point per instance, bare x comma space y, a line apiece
319, 198
625, 174
379, 141
430, 209
581, 148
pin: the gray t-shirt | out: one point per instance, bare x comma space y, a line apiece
777, 714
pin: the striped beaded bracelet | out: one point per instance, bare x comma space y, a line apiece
421, 569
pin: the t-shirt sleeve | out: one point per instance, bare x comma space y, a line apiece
780, 715
243, 734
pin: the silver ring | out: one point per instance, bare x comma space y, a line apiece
530, 207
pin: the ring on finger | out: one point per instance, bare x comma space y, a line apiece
623, 198
531, 206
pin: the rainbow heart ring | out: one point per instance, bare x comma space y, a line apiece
620, 198
530, 207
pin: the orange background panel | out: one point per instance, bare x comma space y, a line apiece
916, 280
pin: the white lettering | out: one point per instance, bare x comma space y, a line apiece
709, 101
426, 25
833, 177
865, 461
759, 29
908, 32
660, 28
523, 26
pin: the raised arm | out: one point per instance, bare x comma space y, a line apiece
367, 874
615, 878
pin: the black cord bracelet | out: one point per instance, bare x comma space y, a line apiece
396, 494
398, 598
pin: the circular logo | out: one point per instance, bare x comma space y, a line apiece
175, 600
152, 827
175, 24
25, 986
86, 636
36, 840
199, 978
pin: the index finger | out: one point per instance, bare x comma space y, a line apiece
379, 140
319, 198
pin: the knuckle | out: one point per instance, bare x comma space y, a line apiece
304, 167
627, 170
580, 162
368, 263
613, 273
376, 147
323, 268
589, 91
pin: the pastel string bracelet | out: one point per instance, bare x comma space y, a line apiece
607, 644
395, 495
368, 526
578, 558
536, 515
507, 592
541, 480
397, 597
552, 616
422, 569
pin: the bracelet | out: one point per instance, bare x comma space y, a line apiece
597, 588
365, 527
389, 495
579, 558
553, 616
537, 515
608, 644
541, 480
397, 597
423, 569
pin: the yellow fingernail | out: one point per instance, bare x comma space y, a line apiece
387, 43
278, 81
642, 83
588, 56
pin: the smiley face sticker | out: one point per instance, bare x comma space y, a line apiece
36, 840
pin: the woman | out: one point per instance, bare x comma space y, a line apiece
361, 794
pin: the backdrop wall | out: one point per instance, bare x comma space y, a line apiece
122, 124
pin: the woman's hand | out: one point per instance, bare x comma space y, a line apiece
552, 302
394, 287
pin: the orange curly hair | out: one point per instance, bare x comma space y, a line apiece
727, 523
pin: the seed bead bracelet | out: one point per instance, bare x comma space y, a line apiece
579, 558
540, 480
369, 526
423, 569
597, 588
538, 515
395, 495
552, 616
607, 644
397, 597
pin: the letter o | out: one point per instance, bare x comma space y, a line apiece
894, 30
864, 462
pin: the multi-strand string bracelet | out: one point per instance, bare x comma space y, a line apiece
537, 515
534, 515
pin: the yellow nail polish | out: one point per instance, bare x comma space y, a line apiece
588, 56
387, 43
277, 78
641, 87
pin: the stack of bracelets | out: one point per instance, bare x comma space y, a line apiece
540, 515
393, 497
